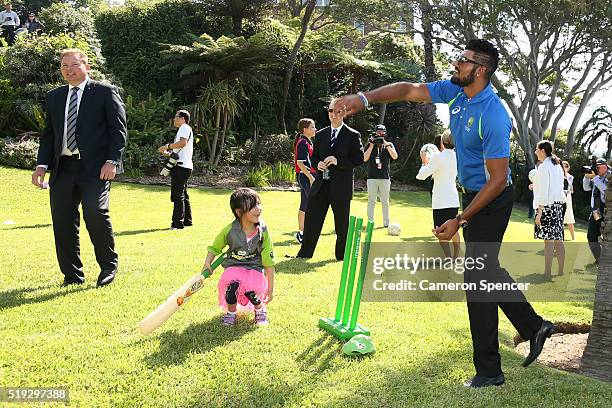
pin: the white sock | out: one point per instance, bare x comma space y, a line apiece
301, 232
232, 313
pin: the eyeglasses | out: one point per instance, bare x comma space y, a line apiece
463, 59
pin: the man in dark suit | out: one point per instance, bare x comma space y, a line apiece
336, 151
84, 137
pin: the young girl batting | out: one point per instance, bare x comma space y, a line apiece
248, 278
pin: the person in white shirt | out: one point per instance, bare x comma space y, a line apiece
442, 168
9, 21
568, 217
549, 197
180, 173
595, 181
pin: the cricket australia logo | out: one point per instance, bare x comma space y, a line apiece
469, 124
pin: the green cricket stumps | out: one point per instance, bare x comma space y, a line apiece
340, 326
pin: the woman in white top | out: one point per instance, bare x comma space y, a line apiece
445, 198
568, 218
549, 198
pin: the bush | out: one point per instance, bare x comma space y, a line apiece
149, 119
265, 175
258, 177
19, 153
282, 173
8, 94
131, 37
142, 159
268, 149
62, 18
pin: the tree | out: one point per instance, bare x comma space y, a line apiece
599, 125
597, 358
239, 10
310, 5
220, 68
554, 54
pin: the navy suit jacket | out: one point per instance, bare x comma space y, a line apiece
348, 151
101, 129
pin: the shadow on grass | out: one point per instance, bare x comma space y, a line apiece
175, 347
297, 266
319, 355
136, 232
30, 226
18, 297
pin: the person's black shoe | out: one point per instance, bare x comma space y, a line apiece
479, 381
536, 343
70, 282
188, 224
106, 277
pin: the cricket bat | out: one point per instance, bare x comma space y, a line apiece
163, 312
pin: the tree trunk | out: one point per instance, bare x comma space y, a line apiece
382, 111
597, 357
213, 150
291, 63
430, 69
222, 142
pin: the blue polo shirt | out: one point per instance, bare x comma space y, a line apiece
481, 130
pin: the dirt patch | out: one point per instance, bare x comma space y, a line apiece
563, 350
233, 177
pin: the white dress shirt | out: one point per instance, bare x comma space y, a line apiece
548, 184
443, 169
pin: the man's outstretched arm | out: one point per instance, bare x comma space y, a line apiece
400, 91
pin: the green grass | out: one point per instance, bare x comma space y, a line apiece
86, 338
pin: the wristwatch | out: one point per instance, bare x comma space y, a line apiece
116, 163
462, 222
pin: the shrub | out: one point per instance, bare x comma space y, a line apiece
258, 177
142, 159
149, 119
19, 153
282, 173
131, 35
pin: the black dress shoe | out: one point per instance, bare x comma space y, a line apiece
479, 381
536, 343
106, 277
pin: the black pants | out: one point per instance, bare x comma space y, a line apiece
181, 215
318, 204
73, 186
593, 233
488, 226
8, 32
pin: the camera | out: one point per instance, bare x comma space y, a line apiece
169, 165
377, 140
592, 168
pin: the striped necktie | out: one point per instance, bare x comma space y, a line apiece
332, 141
71, 121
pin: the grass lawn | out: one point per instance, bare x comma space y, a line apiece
86, 338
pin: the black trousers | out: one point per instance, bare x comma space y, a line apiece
73, 186
484, 234
8, 32
181, 214
318, 204
593, 233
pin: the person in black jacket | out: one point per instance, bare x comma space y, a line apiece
82, 144
337, 150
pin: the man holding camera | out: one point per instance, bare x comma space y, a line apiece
594, 180
181, 166
379, 179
